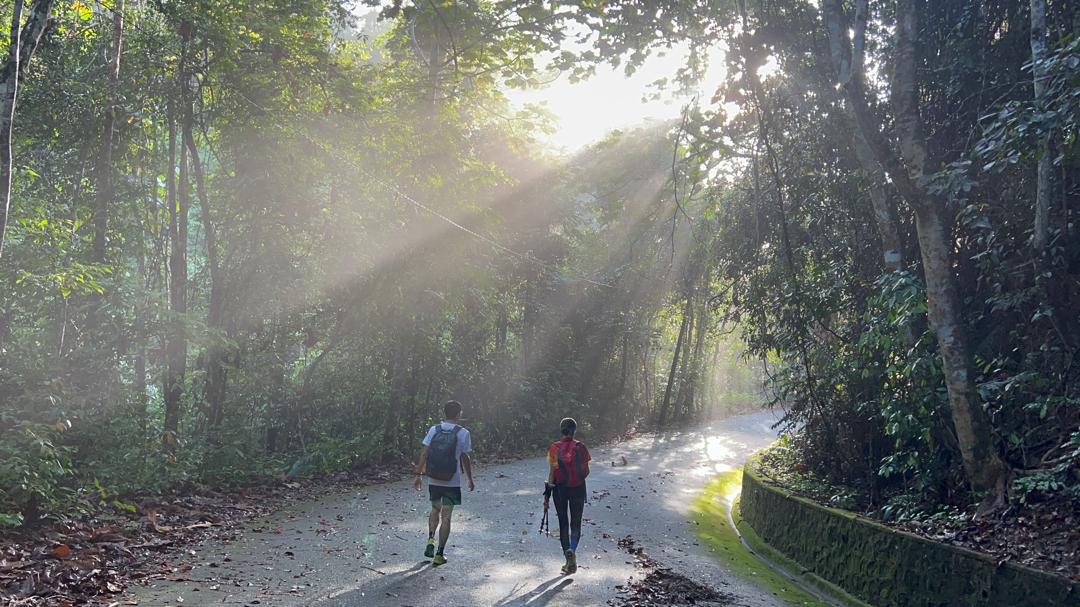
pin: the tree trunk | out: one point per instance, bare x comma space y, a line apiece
666, 402
884, 211
393, 413
624, 367
1045, 168
142, 401
647, 366
23, 42
697, 364
983, 465
103, 171
684, 365
216, 375
848, 61
176, 349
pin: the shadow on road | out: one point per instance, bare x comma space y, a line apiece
391, 585
539, 596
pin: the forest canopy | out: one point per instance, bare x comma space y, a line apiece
248, 239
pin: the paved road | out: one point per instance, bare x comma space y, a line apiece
365, 547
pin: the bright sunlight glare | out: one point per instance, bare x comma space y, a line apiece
588, 110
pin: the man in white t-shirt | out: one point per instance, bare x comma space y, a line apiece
444, 455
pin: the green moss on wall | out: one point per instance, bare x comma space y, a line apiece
890, 568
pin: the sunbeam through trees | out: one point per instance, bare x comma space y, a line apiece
249, 240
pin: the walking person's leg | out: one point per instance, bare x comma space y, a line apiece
575, 501
444, 526
577, 507
563, 514
433, 525
561, 496
449, 497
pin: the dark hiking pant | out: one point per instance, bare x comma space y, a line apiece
569, 504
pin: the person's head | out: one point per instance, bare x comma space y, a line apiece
452, 409
568, 426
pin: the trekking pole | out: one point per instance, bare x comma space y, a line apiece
545, 521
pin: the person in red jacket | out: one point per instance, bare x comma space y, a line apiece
568, 466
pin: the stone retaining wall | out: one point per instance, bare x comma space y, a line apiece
890, 568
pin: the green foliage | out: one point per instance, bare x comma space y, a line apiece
34, 470
330, 455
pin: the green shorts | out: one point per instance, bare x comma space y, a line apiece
447, 496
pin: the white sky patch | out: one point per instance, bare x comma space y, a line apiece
770, 68
587, 111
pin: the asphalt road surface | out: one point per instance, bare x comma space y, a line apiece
365, 548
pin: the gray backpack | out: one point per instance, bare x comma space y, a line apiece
442, 459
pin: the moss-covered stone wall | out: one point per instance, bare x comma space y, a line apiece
890, 568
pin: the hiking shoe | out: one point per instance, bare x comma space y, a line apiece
438, 560
571, 561
429, 550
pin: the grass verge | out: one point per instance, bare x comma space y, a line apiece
710, 513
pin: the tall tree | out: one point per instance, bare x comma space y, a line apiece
104, 168
22, 43
179, 202
1045, 166
848, 55
982, 463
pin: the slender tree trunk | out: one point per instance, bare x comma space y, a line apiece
697, 364
666, 402
624, 368
216, 375
530, 312
892, 249
103, 171
413, 385
983, 465
142, 400
1045, 167
176, 349
684, 379
172, 381
501, 326
646, 379
848, 62
393, 412
23, 41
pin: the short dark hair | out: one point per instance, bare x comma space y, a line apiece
452, 409
568, 426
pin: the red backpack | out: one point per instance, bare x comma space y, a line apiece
570, 472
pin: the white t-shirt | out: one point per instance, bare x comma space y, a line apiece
464, 445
